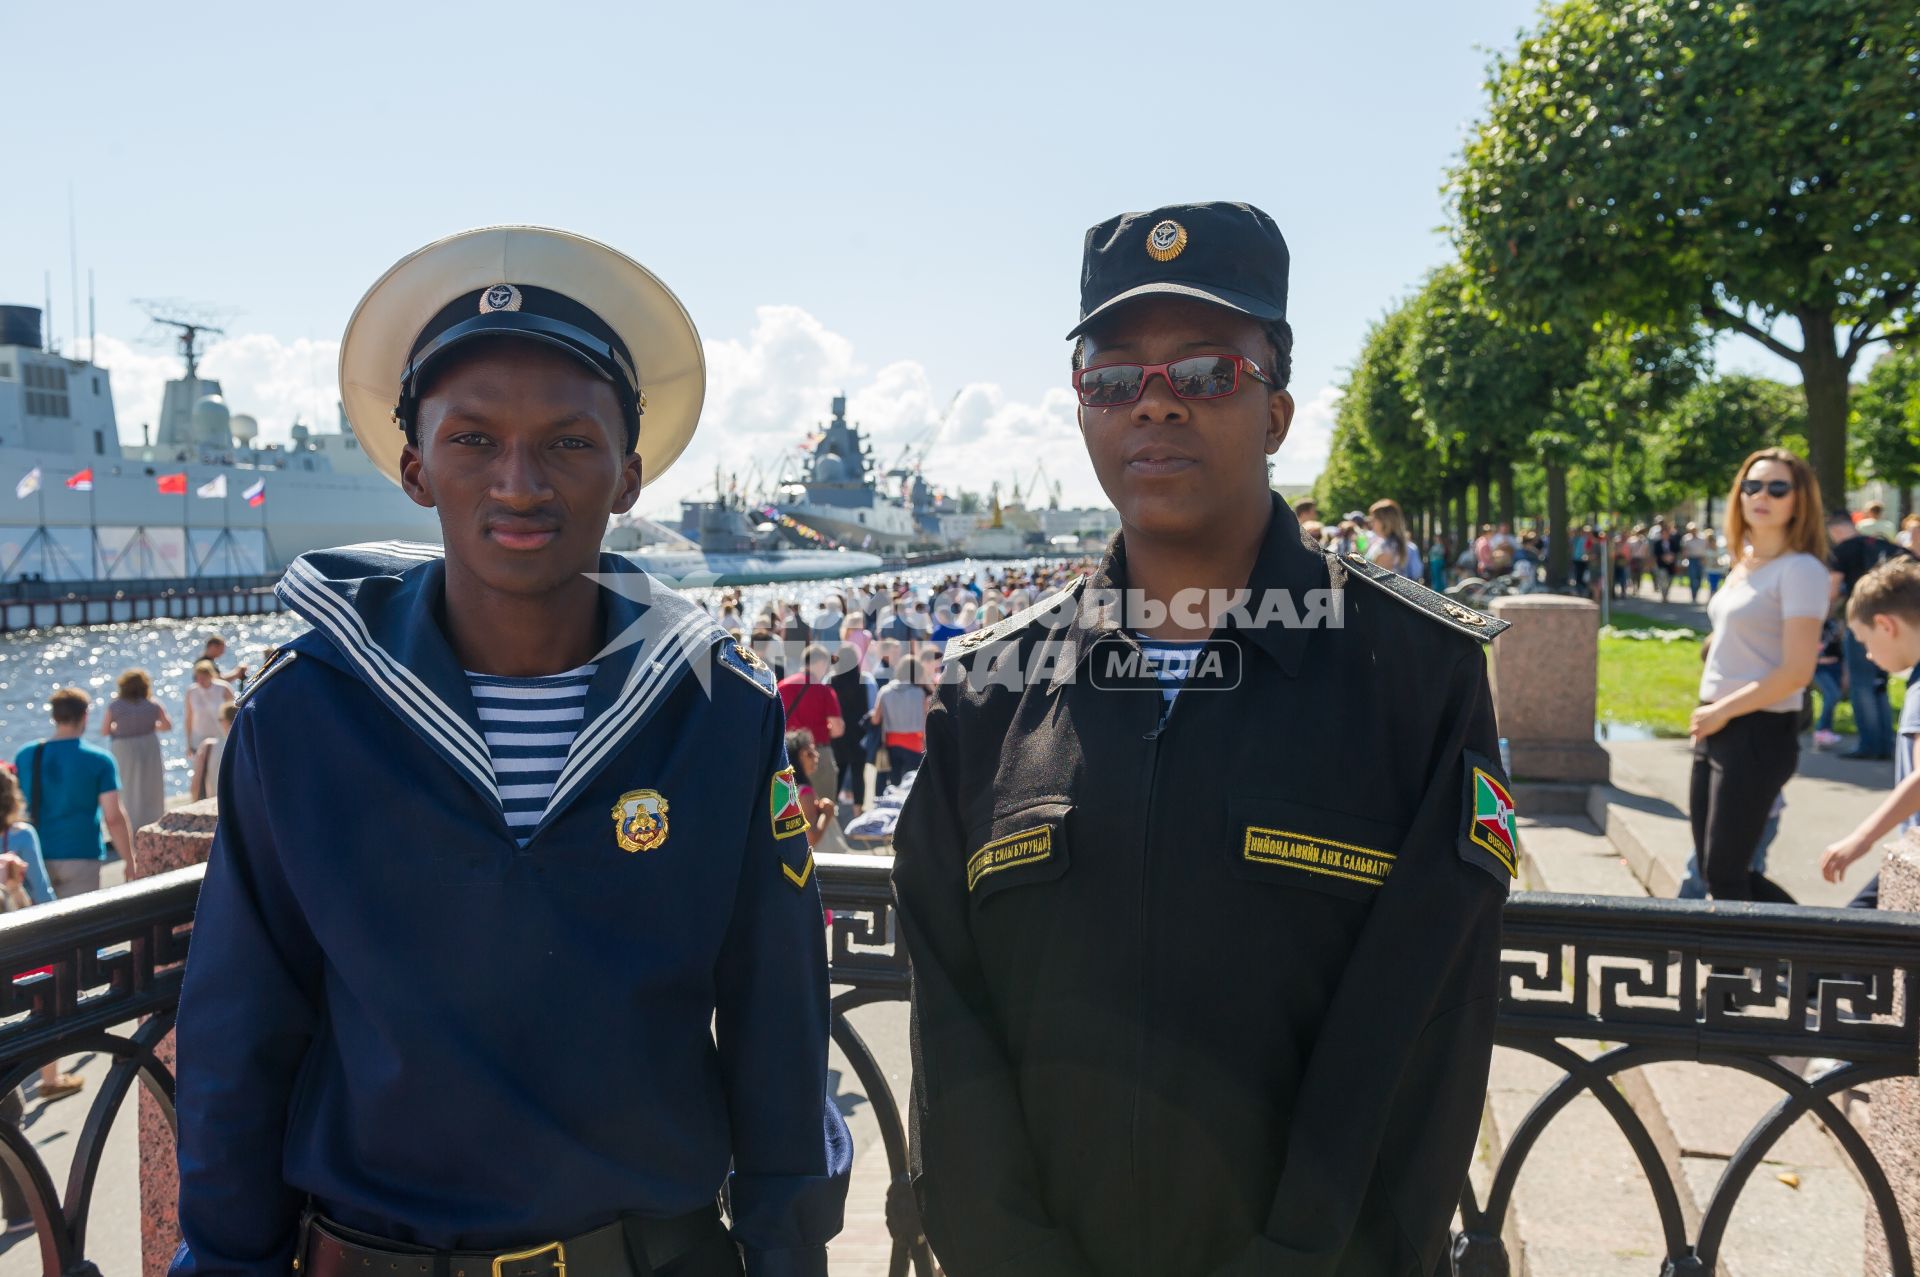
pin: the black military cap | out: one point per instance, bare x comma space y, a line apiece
1229, 254
531, 313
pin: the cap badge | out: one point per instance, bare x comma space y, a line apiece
1166, 241
640, 820
499, 297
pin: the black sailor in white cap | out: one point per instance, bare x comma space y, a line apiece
509, 958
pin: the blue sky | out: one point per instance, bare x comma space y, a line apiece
886, 199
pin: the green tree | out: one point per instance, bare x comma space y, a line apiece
1701, 441
1745, 163
1344, 480
1380, 446
1486, 390
1886, 422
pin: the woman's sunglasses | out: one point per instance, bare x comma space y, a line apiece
1775, 487
1195, 377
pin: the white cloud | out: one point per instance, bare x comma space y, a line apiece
1304, 455
766, 392
277, 382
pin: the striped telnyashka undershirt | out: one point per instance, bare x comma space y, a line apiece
529, 724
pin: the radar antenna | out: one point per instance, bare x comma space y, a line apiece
192, 325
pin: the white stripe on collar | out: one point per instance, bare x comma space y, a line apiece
646, 680
405, 690
422, 550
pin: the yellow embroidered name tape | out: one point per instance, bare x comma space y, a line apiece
1023, 848
1317, 855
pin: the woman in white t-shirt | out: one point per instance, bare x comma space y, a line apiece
1760, 657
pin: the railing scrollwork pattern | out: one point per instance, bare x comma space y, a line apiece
1648, 980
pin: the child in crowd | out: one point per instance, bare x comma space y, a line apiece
1829, 675
206, 764
805, 756
1884, 615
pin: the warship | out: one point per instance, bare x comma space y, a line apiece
837, 493
728, 539
200, 498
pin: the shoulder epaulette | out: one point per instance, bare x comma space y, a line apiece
746, 663
1008, 626
1450, 613
275, 663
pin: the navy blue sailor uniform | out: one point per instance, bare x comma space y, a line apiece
1206, 988
396, 1013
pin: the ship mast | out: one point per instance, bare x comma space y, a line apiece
190, 334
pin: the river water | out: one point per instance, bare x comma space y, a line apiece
34, 664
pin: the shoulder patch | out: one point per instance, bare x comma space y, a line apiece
1490, 834
1007, 627
1452, 614
278, 661
746, 663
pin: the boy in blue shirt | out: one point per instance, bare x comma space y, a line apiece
1883, 614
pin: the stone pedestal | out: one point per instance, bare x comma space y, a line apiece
1894, 1133
180, 838
1545, 675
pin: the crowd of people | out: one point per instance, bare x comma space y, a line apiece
1808, 609
68, 806
856, 670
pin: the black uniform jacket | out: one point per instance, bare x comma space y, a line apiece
1215, 994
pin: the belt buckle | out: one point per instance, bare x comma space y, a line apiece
559, 1258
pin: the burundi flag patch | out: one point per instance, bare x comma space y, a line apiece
1491, 838
784, 801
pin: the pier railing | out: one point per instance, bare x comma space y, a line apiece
42, 605
1592, 985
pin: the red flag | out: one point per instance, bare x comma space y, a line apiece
81, 481
174, 483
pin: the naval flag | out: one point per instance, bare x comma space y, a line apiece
81, 481
257, 494
28, 485
173, 484
214, 489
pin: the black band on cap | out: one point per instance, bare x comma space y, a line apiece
543, 315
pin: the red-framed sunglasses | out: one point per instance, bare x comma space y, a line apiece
1195, 377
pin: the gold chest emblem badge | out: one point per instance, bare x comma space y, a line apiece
640, 820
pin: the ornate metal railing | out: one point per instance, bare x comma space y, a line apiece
82, 968
1727, 984
1649, 980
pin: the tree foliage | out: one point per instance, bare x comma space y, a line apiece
1699, 444
1379, 445
1737, 162
1483, 385
1886, 419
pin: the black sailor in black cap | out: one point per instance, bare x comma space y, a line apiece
1192, 994
509, 957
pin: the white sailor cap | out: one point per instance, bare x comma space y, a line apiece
563, 290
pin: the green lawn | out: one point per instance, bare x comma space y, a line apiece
1656, 685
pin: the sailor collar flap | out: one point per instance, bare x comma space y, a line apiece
378, 608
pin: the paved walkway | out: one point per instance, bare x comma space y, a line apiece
1803, 1213
1826, 798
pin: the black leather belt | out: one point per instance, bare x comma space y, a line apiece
633, 1248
